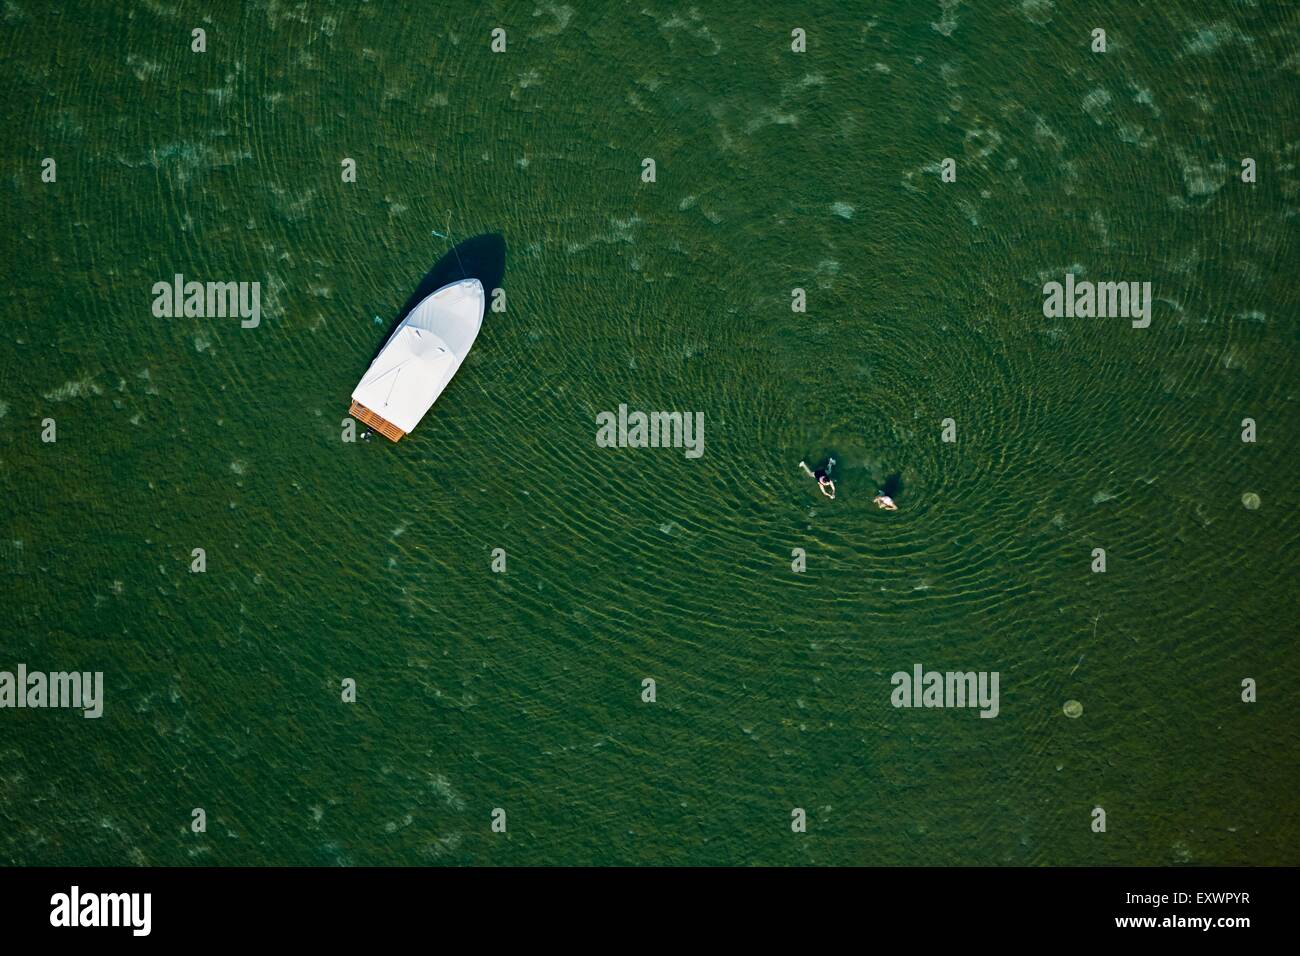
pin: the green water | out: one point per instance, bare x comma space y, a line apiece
775, 170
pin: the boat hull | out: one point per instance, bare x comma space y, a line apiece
419, 359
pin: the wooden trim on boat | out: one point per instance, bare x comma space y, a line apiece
378, 423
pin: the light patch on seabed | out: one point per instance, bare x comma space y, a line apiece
1231, 359
623, 231
182, 160
562, 14
293, 207
1249, 270
806, 82
1146, 98
1134, 134
4, 409
142, 68
848, 126
776, 115
1207, 39
947, 17
78, 389
651, 82
1045, 135
691, 26
1102, 497
1252, 316
1201, 180
719, 124
767, 116
990, 139
1037, 12
1095, 103
1055, 273
277, 13
843, 210
527, 79
624, 228
66, 122
158, 9
441, 845
1172, 303
1188, 263
1098, 223
930, 169
441, 786
272, 287
826, 272
336, 854
202, 343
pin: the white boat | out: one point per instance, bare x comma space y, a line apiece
419, 359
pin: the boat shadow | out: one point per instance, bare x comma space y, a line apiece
482, 257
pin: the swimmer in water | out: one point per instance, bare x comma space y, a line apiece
823, 477
885, 502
